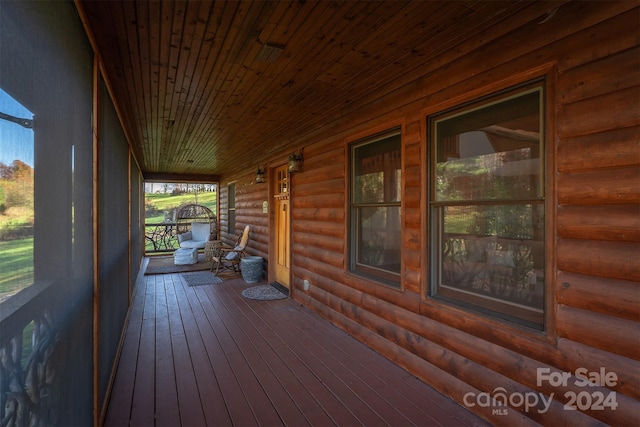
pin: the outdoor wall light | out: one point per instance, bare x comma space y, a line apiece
260, 175
295, 162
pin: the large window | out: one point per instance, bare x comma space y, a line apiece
486, 205
375, 208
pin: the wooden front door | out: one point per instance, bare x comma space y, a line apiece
282, 251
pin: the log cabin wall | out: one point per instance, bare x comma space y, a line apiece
249, 198
590, 52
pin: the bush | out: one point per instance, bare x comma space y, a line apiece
14, 231
150, 208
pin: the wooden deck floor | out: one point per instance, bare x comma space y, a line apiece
206, 356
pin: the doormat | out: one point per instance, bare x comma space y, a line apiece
165, 265
281, 288
201, 278
263, 293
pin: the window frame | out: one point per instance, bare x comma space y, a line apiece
380, 275
231, 208
500, 310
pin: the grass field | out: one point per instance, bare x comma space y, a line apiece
161, 202
16, 265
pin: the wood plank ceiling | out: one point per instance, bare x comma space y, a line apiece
209, 87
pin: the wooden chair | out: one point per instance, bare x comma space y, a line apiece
226, 260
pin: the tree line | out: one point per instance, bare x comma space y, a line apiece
16, 186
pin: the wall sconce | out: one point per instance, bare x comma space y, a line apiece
295, 162
260, 175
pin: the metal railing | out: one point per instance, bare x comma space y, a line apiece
160, 237
28, 371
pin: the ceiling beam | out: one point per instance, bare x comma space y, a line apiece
176, 177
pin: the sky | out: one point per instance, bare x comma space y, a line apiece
16, 142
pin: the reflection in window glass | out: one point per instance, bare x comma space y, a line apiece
487, 206
375, 208
16, 196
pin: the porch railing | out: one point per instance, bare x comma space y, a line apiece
28, 373
160, 237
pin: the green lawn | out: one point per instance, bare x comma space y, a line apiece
167, 202
16, 265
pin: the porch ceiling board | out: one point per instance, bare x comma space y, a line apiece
205, 88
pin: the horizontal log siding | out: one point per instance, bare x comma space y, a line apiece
318, 215
598, 214
412, 254
249, 199
223, 216
621, 298
582, 152
594, 49
607, 222
249, 212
